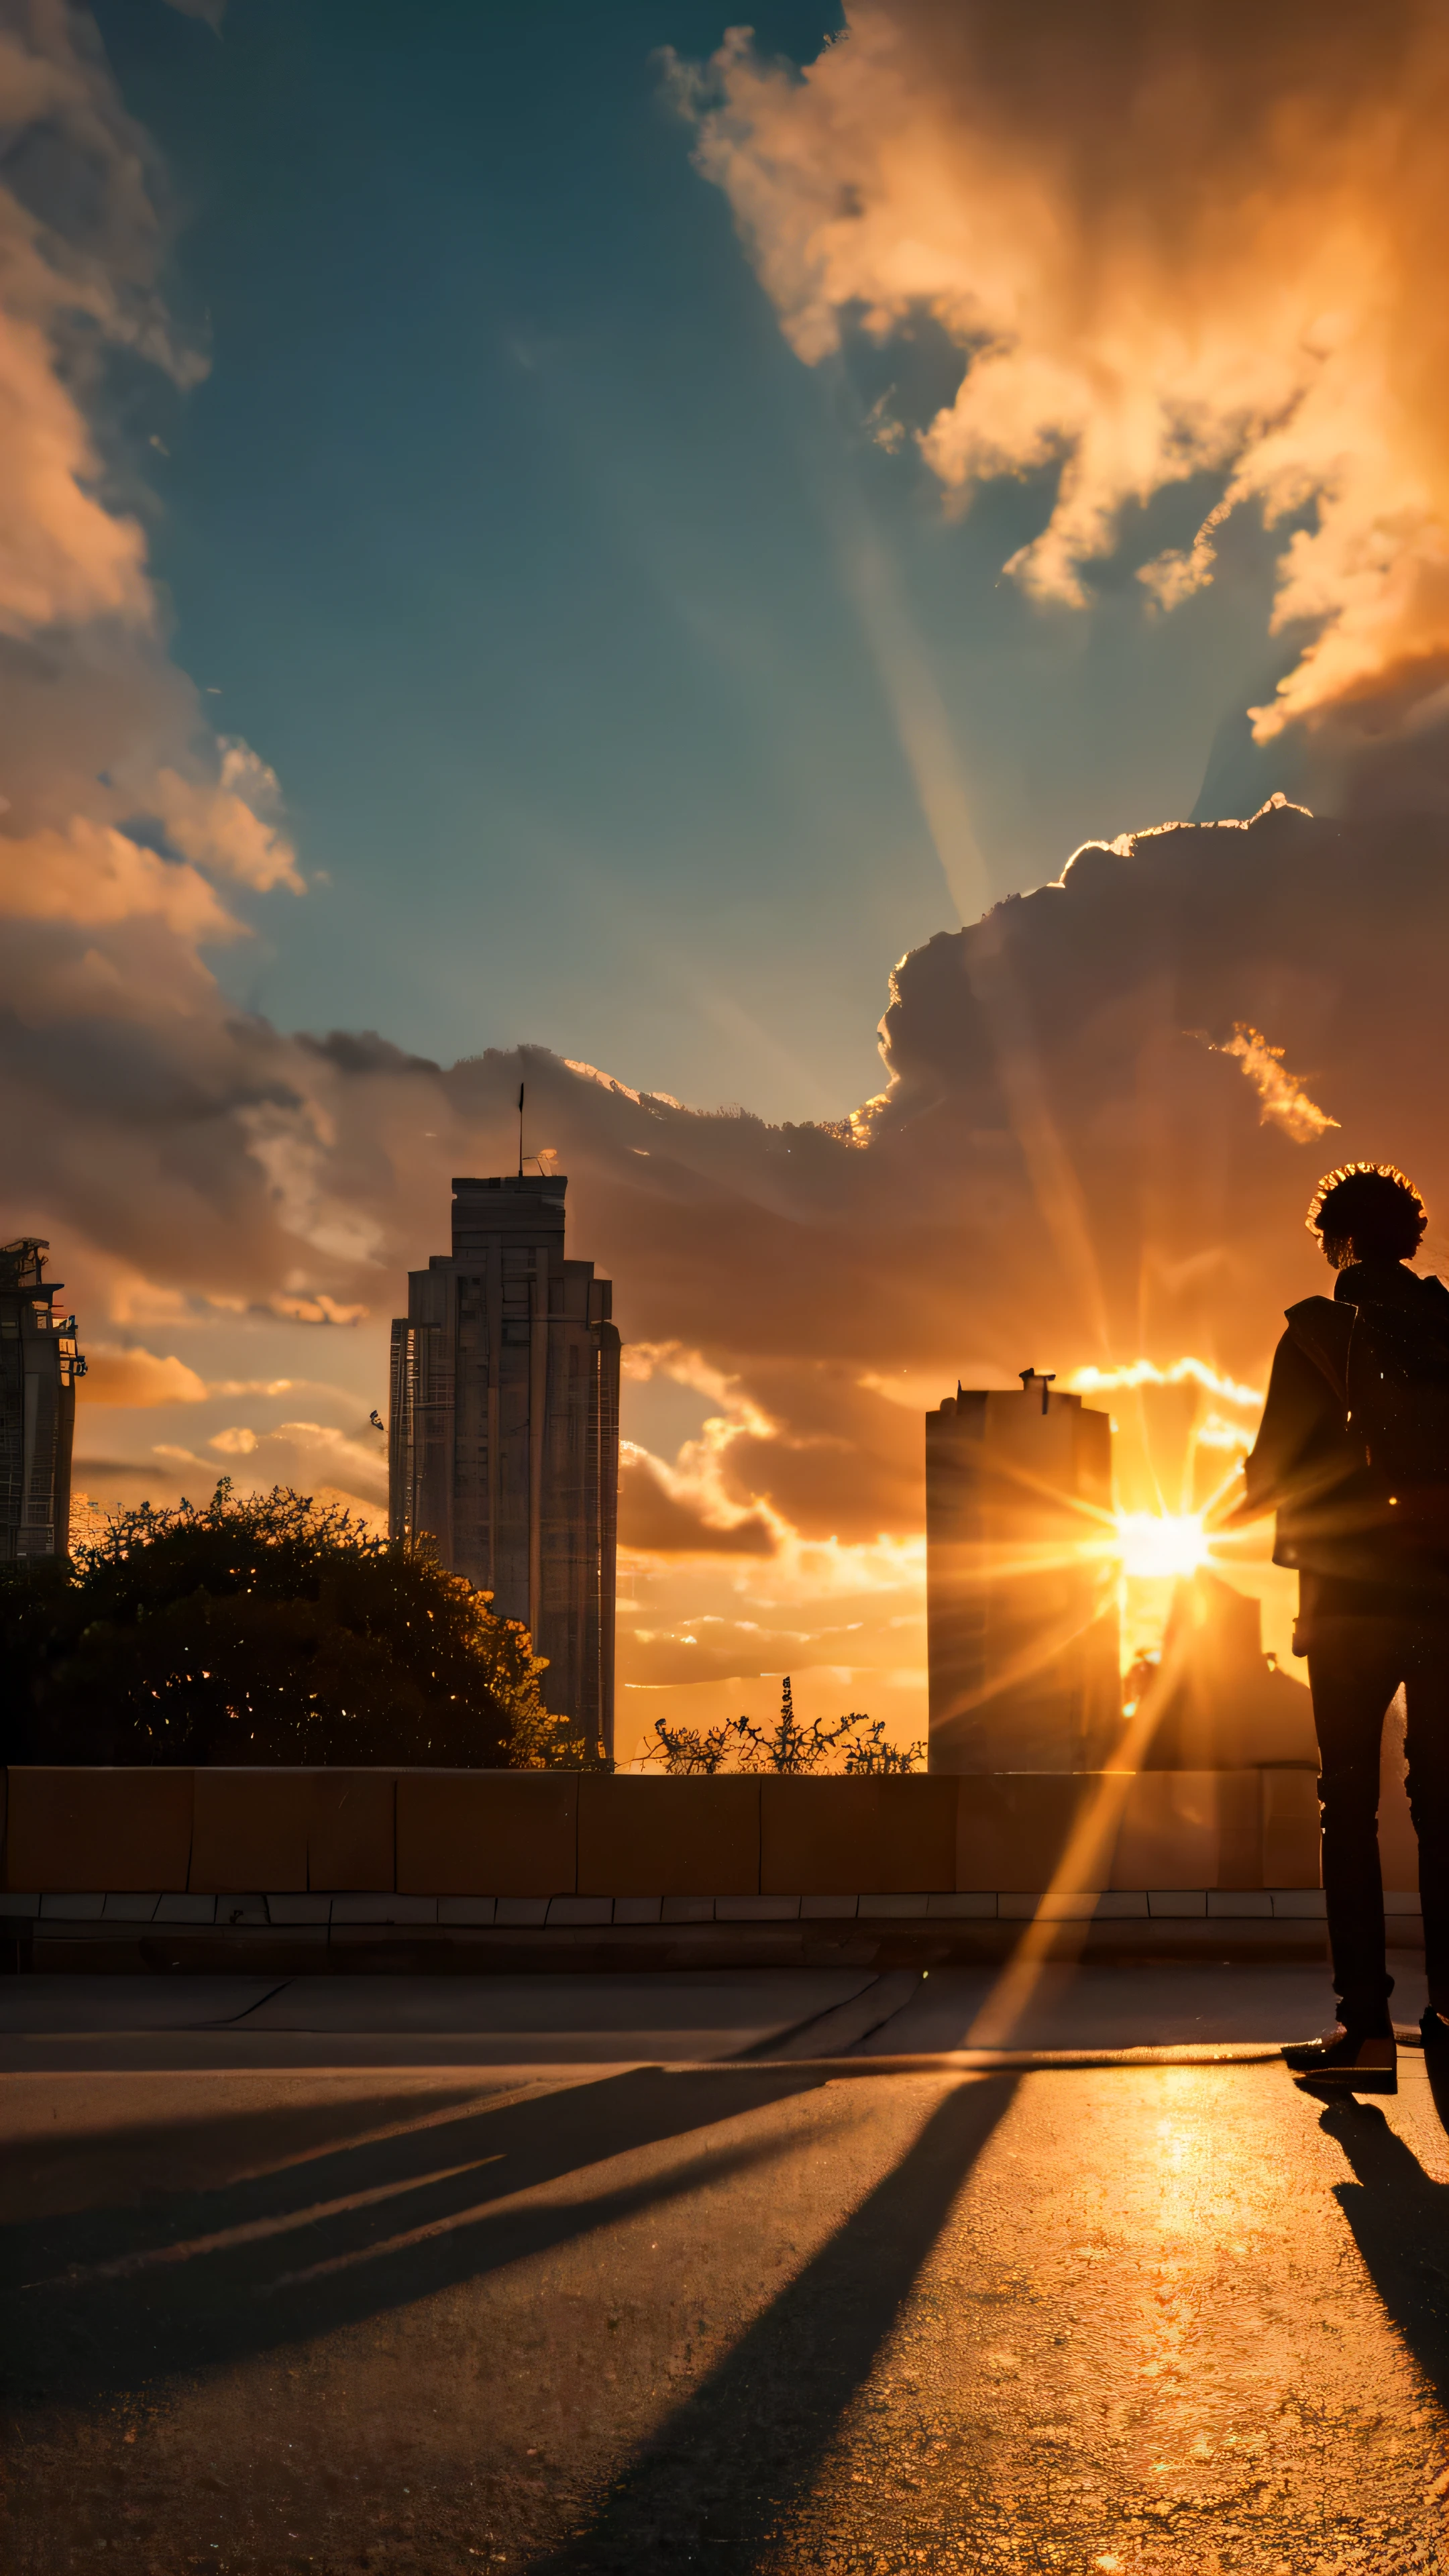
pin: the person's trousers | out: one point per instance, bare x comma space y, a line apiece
1355, 1666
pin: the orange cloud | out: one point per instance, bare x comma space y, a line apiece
137, 1377
1168, 240
656, 1518
122, 817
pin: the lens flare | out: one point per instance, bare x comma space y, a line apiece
1161, 1544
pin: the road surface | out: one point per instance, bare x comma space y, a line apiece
556, 2295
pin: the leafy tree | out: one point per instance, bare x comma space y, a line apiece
267, 1628
789, 1746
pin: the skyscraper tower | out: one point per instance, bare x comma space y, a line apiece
1021, 1601
39, 1365
504, 1434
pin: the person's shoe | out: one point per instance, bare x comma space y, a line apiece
1348, 2061
1434, 2032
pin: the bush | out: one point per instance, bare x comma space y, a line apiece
266, 1629
788, 1747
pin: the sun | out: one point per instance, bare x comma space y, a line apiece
1161, 1544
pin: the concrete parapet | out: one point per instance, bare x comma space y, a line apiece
1115, 1829
880, 1837
1198, 1828
650, 1837
1013, 1827
352, 1829
847, 1848
249, 1831
487, 1833
121, 1830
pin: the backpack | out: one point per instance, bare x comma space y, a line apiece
1389, 1365
1397, 1384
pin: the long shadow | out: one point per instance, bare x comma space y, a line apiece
1400, 2220
48, 2174
94, 2314
719, 2480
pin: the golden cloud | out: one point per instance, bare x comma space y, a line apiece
1169, 240
137, 1377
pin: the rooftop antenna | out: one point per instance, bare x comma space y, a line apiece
1046, 1379
520, 1131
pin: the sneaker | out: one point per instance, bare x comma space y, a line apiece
1348, 2061
1433, 2030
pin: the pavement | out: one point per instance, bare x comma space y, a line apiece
772, 2273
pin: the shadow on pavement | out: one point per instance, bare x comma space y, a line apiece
1400, 2220
48, 2175
111, 2300
720, 2479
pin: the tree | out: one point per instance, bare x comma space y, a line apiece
789, 1746
267, 1628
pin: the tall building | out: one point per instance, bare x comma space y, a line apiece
504, 1436
39, 1365
1021, 1597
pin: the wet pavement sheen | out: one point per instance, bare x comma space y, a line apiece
744, 2318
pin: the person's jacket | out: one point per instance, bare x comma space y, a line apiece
1308, 1465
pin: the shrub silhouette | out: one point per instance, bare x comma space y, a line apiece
789, 1746
267, 1628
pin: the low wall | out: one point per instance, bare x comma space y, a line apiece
494, 1835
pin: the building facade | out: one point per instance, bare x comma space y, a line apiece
39, 1366
1021, 1590
503, 1440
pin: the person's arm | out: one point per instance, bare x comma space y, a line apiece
1300, 1400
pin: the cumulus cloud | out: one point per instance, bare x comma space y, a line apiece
137, 1377
659, 1519
126, 828
1169, 241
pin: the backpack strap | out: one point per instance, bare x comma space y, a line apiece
1323, 1329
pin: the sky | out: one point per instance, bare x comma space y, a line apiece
507, 527
574, 531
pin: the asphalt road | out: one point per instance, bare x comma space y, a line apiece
646, 2313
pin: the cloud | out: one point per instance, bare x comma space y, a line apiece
660, 1522
1169, 242
136, 1377
1283, 1094
313, 1456
129, 1376
127, 829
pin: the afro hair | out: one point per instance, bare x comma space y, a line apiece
1367, 1212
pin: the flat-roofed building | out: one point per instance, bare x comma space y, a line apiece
504, 1432
39, 1366
1021, 1582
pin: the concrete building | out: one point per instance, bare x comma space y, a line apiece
504, 1432
1021, 1593
39, 1365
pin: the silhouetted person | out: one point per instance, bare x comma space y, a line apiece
1353, 1455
